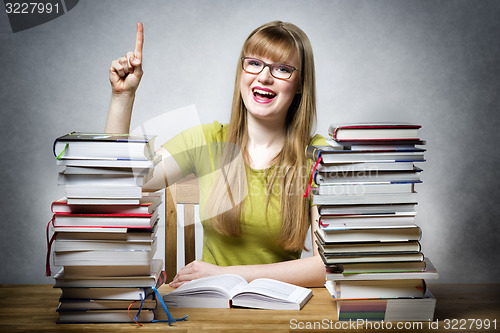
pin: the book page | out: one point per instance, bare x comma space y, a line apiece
277, 290
227, 284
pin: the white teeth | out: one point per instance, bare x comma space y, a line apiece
263, 92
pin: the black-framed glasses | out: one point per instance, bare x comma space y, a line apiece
255, 66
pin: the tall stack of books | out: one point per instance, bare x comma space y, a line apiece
105, 229
367, 236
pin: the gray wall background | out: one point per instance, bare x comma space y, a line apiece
435, 63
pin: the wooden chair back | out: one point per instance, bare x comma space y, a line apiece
183, 192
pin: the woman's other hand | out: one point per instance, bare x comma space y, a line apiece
195, 270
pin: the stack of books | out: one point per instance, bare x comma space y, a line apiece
367, 236
105, 229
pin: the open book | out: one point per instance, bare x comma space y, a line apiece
230, 290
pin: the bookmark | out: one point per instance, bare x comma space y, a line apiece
171, 319
306, 195
136, 318
59, 157
49, 247
324, 225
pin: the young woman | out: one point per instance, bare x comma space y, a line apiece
252, 172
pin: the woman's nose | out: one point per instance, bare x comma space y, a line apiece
265, 76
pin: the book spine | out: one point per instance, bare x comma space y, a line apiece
334, 133
54, 148
318, 179
313, 152
52, 206
56, 141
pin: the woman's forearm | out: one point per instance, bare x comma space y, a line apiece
120, 113
306, 272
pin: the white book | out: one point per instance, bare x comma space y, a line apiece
371, 248
428, 273
103, 179
84, 170
94, 271
104, 192
399, 309
102, 201
105, 234
136, 164
373, 131
105, 220
224, 291
350, 156
351, 259
376, 289
407, 233
371, 176
355, 199
105, 258
366, 221
366, 166
367, 209
104, 304
104, 316
103, 146
146, 205
62, 245
371, 146
121, 293
365, 188
378, 267
418, 309
62, 280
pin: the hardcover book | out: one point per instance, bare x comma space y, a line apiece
409, 233
77, 145
374, 132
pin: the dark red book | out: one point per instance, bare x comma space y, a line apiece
105, 220
147, 205
374, 132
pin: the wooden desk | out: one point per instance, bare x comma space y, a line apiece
31, 308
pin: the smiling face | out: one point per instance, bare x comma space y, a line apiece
266, 97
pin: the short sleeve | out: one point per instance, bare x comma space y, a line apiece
318, 140
192, 149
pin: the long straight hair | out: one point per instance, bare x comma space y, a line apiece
277, 41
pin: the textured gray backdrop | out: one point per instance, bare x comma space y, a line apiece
430, 62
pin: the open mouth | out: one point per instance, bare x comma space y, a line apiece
263, 95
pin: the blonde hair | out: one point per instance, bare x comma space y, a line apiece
277, 41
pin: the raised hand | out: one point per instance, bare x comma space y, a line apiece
125, 73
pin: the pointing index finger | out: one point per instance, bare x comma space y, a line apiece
139, 40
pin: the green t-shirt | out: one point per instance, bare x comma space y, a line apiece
198, 150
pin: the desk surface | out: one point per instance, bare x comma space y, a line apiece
31, 308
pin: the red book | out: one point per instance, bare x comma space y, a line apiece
374, 132
105, 220
147, 205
